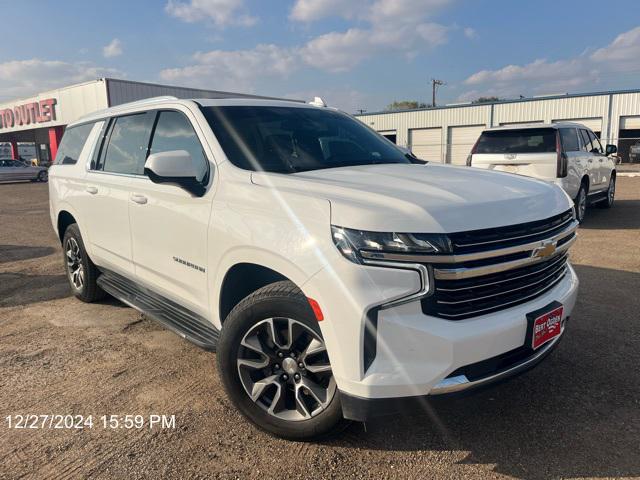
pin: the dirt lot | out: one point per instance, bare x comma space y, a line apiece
577, 415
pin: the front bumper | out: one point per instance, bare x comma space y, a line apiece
364, 409
416, 353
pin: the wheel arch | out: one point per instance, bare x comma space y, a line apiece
65, 218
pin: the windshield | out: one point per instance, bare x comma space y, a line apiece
530, 140
290, 139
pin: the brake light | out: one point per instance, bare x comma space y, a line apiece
562, 161
473, 150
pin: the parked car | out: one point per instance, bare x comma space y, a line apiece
568, 154
336, 278
12, 170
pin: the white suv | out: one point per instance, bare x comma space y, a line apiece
568, 154
336, 278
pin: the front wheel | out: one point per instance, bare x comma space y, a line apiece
274, 365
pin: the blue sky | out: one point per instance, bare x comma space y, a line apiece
354, 53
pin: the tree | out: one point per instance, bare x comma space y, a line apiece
487, 100
406, 105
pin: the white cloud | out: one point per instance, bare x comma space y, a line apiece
113, 49
560, 76
20, 78
220, 12
233, 70
313, 10
470, 32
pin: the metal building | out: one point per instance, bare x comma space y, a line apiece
447, 134
33, 127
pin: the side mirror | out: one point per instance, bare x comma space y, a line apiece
611, 149
175, 167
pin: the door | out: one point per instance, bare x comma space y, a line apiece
7, 170
576, 161
108, 190
604, 164
592, 166
461, 141
426, 143
169, 225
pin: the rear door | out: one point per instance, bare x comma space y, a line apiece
170, 225
527, 151
108, 189
590, 152
576, 161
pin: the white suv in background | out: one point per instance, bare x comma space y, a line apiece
567, 153
336, 278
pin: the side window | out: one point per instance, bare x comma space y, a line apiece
569, 139
72, 143
586, 141
126, 150
174, 132
595, 143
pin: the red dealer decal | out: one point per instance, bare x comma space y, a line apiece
34, 112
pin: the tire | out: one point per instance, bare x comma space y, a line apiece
581, 203
278, 312
611, 193
81, 271
43, 176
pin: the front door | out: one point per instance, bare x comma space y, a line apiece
169, 225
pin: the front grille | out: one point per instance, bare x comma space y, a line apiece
468, 287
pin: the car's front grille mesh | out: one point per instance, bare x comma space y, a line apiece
460, 298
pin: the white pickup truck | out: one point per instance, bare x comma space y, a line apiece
336, 278
566, 153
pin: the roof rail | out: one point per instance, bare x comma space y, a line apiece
136, 103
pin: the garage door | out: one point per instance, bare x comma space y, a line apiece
461, 141
594, 124
629, 123
426, 143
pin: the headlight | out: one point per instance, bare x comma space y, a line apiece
352, 242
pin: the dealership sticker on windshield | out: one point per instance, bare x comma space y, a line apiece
546, 327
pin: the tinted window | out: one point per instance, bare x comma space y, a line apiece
595, 143
174, 132
128, 144
72, 143
290, 139
529, 140
586, 141
569, 138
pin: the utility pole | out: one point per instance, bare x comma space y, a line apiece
361, 111
435, 83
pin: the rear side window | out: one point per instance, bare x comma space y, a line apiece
72, 143
128, 144
174, 132
529, 140
569, 137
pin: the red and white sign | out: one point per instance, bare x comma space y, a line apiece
28, 113
546, 327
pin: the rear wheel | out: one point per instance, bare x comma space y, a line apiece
81, 272
581, 203
274, 365
43, 176
611, 193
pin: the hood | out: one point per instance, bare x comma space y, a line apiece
429, 198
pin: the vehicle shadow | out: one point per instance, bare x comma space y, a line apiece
625, 214
15, 253
24, 289
575, 415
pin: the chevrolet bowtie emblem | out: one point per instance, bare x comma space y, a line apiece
546, 249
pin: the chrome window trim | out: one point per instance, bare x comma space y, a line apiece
400, 257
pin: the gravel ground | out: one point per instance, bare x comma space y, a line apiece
577, 415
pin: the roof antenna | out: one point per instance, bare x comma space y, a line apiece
318, 102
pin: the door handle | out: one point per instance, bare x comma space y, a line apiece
601, 160
590, 160
140, 199
92, 190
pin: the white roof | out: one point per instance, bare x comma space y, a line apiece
537, 125
159, 102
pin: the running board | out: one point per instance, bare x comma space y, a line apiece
187, 324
